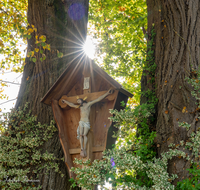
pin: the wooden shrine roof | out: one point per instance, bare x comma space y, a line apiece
72, 74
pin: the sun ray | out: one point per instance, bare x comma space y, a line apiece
75, 57
77, 37
80, 32
73, 47
71, 74
82, 52
82, 42
72, 53
92, 75
67, 39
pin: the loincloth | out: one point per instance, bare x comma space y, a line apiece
82, 124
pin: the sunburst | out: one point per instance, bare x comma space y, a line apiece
89, 48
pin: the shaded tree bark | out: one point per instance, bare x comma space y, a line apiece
177, 27
64, 23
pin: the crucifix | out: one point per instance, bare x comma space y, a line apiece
85, 107
84, 123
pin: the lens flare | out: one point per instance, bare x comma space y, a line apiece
76, 11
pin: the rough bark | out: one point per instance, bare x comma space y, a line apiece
177, 27
65, 33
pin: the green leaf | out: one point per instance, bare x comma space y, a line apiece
29, 36
29, 53
43, 44
123, 104
60, 54
34, 59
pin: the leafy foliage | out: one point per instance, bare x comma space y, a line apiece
120, 167
20, 156
120, 25
192, 182
128, 169
13, 21
14, 33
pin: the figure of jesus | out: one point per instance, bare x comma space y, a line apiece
84, 123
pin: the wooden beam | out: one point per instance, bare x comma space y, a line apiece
90, 97
78, 150
87, 74
98, 149
58, 115
74, 151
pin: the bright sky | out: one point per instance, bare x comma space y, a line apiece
89, 48
11, 90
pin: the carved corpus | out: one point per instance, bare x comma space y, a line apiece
85, 80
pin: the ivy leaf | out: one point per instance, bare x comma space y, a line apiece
60, 54
36, 49
34, 59
29, 36
123, 104
43, 44
43, 38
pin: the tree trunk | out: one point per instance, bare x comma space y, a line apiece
177, 28
64, 23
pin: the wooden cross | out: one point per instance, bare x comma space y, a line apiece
87, 88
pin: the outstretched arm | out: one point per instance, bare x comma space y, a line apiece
110, 91
70, 104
